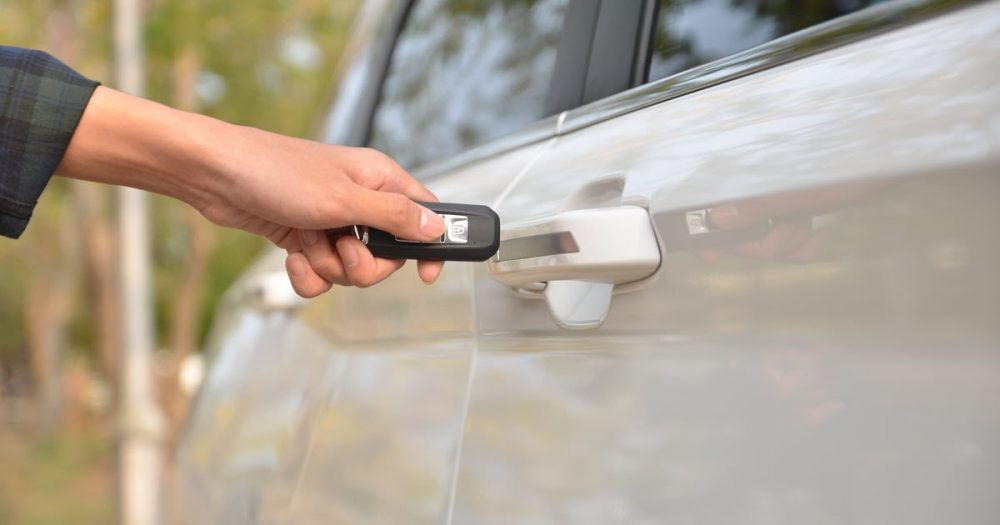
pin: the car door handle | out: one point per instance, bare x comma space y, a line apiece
578, 257
613, 245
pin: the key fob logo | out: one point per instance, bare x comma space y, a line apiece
458, 229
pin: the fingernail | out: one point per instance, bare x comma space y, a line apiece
296, 266
309, 237
431, 224
349, 254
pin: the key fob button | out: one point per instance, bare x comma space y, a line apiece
456, 229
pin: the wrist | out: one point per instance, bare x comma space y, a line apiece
203, 171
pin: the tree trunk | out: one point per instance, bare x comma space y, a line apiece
90, 203
91, 208
48, 309
186, 309
51, 289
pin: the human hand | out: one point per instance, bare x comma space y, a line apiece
291, 191
286, 189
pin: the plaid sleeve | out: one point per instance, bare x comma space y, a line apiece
41, 102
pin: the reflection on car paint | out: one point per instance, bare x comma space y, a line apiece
464, 73
837, 365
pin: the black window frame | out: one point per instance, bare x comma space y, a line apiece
369, 119
621, 48
573, 56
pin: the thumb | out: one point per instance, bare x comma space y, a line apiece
396, 214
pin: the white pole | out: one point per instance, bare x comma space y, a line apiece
142, 425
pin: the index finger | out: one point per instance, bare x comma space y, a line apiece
380, 172
394, 213
408, 186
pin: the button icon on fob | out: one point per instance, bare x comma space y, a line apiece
457, 229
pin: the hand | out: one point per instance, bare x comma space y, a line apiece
285, 189
290, 191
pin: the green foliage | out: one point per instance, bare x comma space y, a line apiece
263, 63
266, 63
274, 58
12, 290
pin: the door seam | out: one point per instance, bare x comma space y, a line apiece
470, 378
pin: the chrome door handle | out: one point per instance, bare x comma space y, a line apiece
594, 248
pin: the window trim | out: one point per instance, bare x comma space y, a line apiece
365, 59
369, 118
573, 56
813, 40
644, 47
616, 46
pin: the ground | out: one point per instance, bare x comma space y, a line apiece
58, 480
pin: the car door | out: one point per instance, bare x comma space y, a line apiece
359, 411
240, 456
815, 337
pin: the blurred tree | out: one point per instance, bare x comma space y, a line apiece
799, 14
51, 288
263, 63
693, 32
260, 63
70, 229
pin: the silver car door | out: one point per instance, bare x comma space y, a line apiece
384, 439
247, 433
349, 407
818, 342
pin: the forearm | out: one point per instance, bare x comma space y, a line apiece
286, 189
128, 141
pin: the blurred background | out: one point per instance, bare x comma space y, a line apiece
263, 63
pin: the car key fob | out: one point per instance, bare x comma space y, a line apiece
471, 233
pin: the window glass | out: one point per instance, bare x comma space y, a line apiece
693, 32
464, 72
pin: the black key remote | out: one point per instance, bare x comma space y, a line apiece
472, 233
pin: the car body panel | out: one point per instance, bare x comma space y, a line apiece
381, 426
855, 383
851, 378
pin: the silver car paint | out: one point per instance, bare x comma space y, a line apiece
855, 383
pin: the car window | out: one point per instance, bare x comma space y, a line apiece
693, 32
464, 72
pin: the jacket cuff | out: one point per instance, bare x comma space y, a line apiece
41, 103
